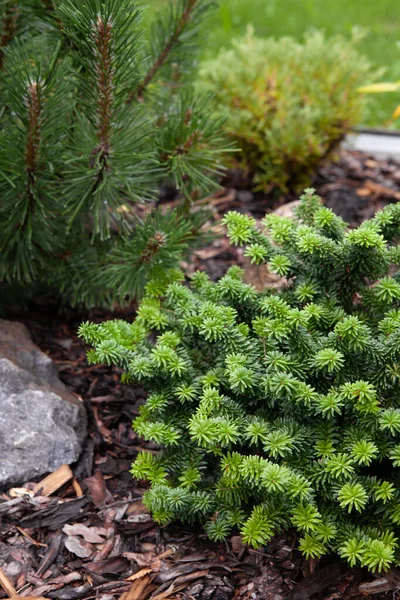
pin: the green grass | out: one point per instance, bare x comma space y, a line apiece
379, 18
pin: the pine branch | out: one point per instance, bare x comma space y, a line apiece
189, 142
155, 248
110, 160
153, 245
165, 52
32, 144
48, 4
50, 8
8, 27
77, 152
104, 72
38, 94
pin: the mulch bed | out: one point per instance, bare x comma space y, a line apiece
355, 186
93, 538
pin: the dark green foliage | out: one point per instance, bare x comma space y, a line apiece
96, 113
280, 409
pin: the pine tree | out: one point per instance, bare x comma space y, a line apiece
284, 404
97, 110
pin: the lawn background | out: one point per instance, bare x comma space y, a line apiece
379, 18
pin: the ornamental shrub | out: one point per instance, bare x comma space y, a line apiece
276, 410
97, 109
287, 104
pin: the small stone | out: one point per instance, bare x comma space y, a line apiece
244, 196
287, 210
81, 530
283, 552
237, 544
78, 547
13, 568
145, 518
287, 564
42, 425
66, 344
148, 547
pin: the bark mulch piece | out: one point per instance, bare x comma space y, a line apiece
84, 533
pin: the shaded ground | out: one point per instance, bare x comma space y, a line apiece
93, 538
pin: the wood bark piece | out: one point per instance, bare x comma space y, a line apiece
320, 581
381, 190
20, 493
137, 591
56, 515
108, 566
172, 589
78, 547
86, 532
378, 586
384, 584
58, 582
98, 491
70, 592
139, 574
179, 584
51, 555
54, 481
33, 597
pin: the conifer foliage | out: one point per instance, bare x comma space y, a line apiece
287, 103
284, 405
97, 110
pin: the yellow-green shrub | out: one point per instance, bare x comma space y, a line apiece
287, 104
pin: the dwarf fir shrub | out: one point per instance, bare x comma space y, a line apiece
276, 410
97, 109
287, 104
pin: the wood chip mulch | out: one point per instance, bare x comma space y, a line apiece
83, 532
354, 187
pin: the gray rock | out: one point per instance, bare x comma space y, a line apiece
244, 196
42, 425
287, 210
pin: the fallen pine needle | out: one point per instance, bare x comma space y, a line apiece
26, 534
11, 591
7, 585
77, 488
167, 553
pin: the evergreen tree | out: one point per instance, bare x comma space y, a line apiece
97, 110
285, 405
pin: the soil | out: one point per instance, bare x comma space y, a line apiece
93, 538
